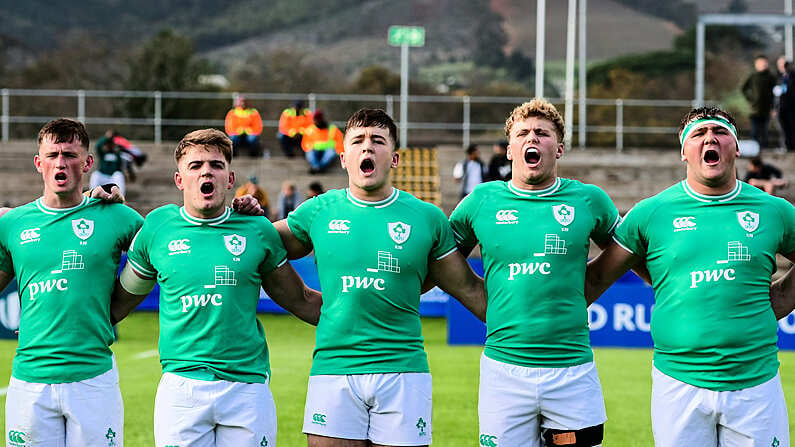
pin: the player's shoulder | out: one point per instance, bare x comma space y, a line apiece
577, 188
658, 202
161, 215
116, 209
417, 205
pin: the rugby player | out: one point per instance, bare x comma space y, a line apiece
710, 244
538, 381
64, 249
210, 263
374, 245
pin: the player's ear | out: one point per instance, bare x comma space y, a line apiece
231, 180
342, 159
89, 163
178, 181
559, 152
509, 153
37, 162
395, 159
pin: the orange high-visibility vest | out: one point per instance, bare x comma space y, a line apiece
243, 121
291, 123
321, 139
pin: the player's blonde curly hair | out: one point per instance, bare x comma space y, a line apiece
539, 108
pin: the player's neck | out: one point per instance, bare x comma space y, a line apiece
205, 213
717, 189
375, 195
534, 187
53, 200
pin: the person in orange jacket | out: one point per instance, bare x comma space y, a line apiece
244, 125
292, 123
321, 143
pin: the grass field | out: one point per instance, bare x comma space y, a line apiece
625, 375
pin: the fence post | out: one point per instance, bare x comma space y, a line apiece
5, 117
619, 125
158, 117
390, 105
81, 106
312, 101
467, 124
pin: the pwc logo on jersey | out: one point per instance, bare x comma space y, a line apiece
748, 220
507, 217
29, 235
83, 228
686, 223
178, 246
564, 214
339, 226
235, 243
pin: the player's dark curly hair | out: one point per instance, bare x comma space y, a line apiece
705, 112
373, 118
64, 130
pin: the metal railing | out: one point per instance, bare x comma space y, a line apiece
465, 126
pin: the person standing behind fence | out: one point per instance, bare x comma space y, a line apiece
785, 101
758, 90
244, 125
499, 165
289, 199
292, 123
321, 143
471, 171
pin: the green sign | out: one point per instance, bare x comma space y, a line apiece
413, 36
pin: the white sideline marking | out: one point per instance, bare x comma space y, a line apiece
3, 391
146, 354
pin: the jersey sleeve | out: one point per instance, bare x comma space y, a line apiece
444, 242
139, 253
788, 216
300, 220
629, 233
128, 222
461, 221
605, 214
275, 254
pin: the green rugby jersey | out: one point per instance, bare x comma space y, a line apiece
65, 261
210, 272
535, 249
710, 260
372, 258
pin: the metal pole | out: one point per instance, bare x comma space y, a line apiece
583, 89
312, 101
5, 117
404, 94
390, 105
568, 113
467, 124
81, 106
540, 31
619, 125
788, 31
700, 34
158, 117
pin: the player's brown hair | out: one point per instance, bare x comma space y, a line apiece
206, 139
64, 130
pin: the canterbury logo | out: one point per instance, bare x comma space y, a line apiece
684, 223
16, 436
179, 245
29, 234
339, 225
506, 216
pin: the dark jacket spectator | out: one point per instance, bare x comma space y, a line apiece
758, 90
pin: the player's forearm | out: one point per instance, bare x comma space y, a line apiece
288, 290
473, 297
454, 275
122, 303
782, 295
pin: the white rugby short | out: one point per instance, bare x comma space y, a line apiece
203, 413
683, 414
388, 409
516, 402
74, 414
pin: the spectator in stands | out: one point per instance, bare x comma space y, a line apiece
130, 153
321, 143
111, 166
785, 101
292, 123
764, 176
758, 90
289, 199
315, 189
499, 165
252, 187
471, 171
244, 125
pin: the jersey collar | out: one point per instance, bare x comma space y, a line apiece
705, 198
47, 210
534, 193
379, 204
212, 221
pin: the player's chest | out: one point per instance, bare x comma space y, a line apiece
71, 241
190, 252
522, 227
